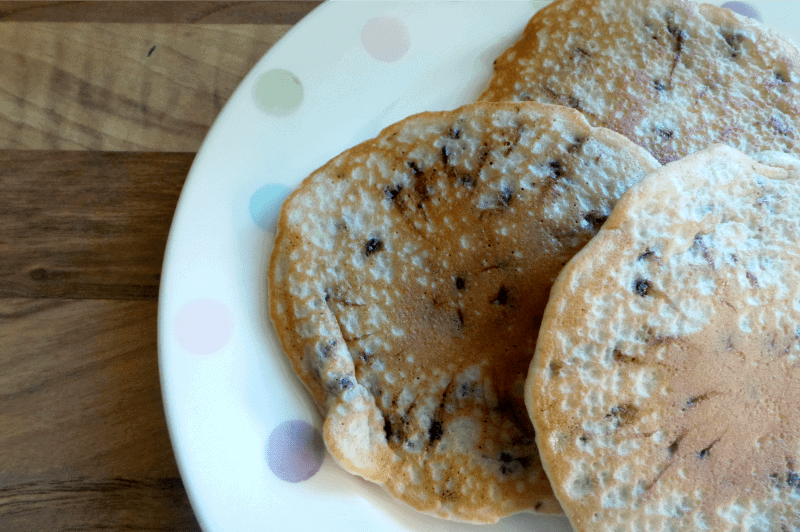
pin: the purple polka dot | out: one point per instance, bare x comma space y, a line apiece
203, 326
265, 205
295, 451
744, 8
386, 38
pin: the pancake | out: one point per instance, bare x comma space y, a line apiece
665, 388
407, 281
673, 76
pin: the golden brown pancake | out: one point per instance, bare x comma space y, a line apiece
673, 76
407, 282
665, 389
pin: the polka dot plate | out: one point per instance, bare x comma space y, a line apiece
245, 434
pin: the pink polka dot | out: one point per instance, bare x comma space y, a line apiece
203, 326
295, 451
386, 38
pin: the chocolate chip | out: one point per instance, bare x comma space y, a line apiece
502, 296
414, 168
465, 389
373, 245
445, 155
694, 401
734, 41
467, 181
648, 253
506, 195
345, 383
387, 428
391, 193
325, 349
641, 287
665, 133
577, 143
658, 85
435, 431
673, 447
780, 126
455, 133
460, 318
460, 283
581, 51
792, 479
595, 219
510, 465
556, 170
782, 77
702, 455
753, 279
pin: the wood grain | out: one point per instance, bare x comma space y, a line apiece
180, 12
86, 224
132, 87
84, 440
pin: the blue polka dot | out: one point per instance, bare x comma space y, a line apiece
265, 205
744, 8
295, 451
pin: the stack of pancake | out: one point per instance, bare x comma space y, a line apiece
578, 293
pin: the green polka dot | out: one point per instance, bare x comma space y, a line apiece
278, 92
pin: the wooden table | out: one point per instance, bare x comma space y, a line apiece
102, 107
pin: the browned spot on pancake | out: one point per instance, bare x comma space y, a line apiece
622, 414
679, 37
620, 357
502, 296
700, 243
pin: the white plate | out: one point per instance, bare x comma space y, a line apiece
244, 432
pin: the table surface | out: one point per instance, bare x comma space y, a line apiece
102, 108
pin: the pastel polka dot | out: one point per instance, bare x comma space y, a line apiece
203, 326
744, 8
386, 38
265, 205
278, 92
295, 451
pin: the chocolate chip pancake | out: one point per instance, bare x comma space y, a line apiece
665, 389
407, 281
673, 76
